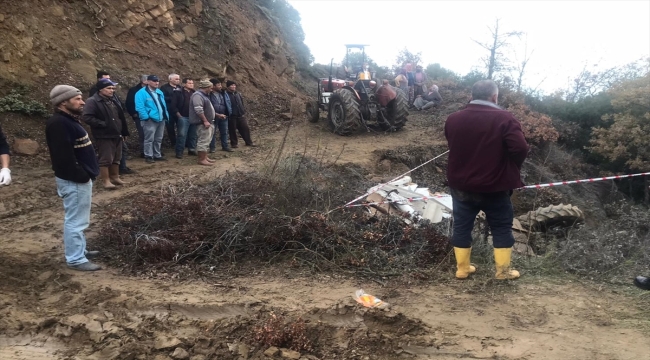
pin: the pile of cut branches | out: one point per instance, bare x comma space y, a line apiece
251, 216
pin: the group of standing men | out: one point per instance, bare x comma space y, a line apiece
188, 115
414, 85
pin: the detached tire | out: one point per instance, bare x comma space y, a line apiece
552, 215
344, 116
313, 112
396, 113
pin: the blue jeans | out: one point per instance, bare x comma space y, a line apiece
185, 135
77, 199
223, 134
498, 212
153, 136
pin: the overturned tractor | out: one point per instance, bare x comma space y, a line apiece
357, 102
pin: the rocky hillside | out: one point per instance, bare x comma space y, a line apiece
45, 42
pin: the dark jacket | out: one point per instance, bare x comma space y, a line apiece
73, 156
219, 103
4, 145
99, 117
130, 101
486, 150
173, 98
236, 100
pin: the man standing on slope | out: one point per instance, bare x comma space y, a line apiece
486, 151
75, 167
202, 115
152, 111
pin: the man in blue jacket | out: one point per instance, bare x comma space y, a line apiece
152, 111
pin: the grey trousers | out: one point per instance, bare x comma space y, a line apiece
153, 135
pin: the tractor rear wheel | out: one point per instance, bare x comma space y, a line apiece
396, 113
312, 109
344, 115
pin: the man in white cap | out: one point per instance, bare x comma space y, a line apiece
75, 167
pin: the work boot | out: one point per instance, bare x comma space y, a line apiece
192, 152
114, 174
502, 259
106, 179
179, 156
91, 254
228, 149
464, 268
127, 171
202, 160
642, 282
149, 160
87, 266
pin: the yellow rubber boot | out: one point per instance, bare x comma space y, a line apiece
462, 262
502, 259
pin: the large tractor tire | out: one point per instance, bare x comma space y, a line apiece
344, 115
396, 114
313, 112
545, 217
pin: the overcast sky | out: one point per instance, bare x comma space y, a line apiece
564, 35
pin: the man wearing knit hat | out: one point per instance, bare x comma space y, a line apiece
236, 112
202, 114
75, 167
107, 122
152, 111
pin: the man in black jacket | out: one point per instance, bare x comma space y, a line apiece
174, 100
104, 114
75, 166
236, 112
130, 108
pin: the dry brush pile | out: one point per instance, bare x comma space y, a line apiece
256, 217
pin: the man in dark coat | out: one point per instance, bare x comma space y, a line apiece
174, 100
486, 151
236, 116
104, 114
130, 108
75, 167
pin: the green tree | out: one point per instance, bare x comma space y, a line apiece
437, 72
628, 137
403, 57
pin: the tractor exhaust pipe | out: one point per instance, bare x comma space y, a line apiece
330, 88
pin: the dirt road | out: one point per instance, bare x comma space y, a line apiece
50, 312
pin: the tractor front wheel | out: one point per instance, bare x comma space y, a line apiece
312, 109
344, 115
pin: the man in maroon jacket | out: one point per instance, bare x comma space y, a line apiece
486, 151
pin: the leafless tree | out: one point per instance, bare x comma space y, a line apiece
498, 42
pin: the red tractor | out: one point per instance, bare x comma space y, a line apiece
357, 101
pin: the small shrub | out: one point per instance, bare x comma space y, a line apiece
17, 101
275, 331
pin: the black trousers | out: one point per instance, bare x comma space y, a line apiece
239, 123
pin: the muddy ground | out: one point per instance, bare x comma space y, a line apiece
50, 312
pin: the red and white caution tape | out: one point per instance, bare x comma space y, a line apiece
615, 177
